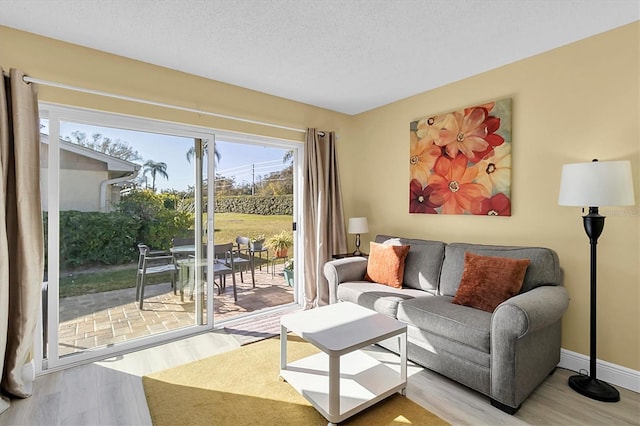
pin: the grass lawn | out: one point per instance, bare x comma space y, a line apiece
115, 278
228, 226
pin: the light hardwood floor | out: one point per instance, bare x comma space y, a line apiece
110, 392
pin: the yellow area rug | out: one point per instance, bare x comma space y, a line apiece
242, 387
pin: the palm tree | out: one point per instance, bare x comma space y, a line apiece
155, 168
205, 145
288, 156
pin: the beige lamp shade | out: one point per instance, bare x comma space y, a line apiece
358, 225
596, 184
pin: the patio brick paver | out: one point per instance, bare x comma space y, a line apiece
101, 319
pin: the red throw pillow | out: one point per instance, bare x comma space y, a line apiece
488, 281
386, 264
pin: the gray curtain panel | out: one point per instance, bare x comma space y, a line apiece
21, 234
324, 232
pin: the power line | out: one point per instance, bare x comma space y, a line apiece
248, 165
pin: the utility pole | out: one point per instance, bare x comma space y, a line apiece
253, 179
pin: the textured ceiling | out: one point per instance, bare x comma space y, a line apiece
344, 55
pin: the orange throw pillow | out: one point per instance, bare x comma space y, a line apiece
488, 281
386, 264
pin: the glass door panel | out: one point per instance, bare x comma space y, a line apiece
254, 211
130, 209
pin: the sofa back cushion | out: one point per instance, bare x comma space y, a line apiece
423, 263
544, 268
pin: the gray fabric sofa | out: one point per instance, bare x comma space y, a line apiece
505, 354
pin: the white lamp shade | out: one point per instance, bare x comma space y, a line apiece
358, 225
596, 184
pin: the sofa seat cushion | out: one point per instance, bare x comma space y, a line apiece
445, 348
378, 297
439, 316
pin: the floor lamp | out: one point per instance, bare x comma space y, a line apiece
593, 185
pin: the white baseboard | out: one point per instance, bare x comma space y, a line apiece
610, 373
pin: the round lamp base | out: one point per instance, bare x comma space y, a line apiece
594, 388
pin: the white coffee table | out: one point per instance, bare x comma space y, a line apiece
341, 381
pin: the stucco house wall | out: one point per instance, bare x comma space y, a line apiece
82, 173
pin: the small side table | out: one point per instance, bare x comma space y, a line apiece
343, 255
259, 252
341, 380
274, 259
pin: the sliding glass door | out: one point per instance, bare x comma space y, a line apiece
124, 202
135, 214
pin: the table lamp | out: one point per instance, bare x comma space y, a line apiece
358, 225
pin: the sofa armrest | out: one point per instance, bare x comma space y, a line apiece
525, 342
530, 311
343, 270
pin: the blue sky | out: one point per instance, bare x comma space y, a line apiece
235, 159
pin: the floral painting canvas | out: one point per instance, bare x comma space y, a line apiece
460, 161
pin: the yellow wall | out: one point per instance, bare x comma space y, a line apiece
569, 105
53, 60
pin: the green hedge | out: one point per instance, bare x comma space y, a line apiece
92, 238
159, 221
164, 226
97, 238
89, 238
251, 204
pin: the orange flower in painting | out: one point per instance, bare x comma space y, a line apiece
465, 133
453, 186
422, 157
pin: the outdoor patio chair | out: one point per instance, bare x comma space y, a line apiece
243, 263
223, 265
149, 264
182, 248
188, 241
245, 246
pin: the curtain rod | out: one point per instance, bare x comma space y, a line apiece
160, 104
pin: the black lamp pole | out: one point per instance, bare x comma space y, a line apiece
589, 385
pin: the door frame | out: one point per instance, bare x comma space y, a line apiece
56, 113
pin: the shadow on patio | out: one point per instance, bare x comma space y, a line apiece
105, 318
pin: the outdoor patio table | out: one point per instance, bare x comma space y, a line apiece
187, 274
